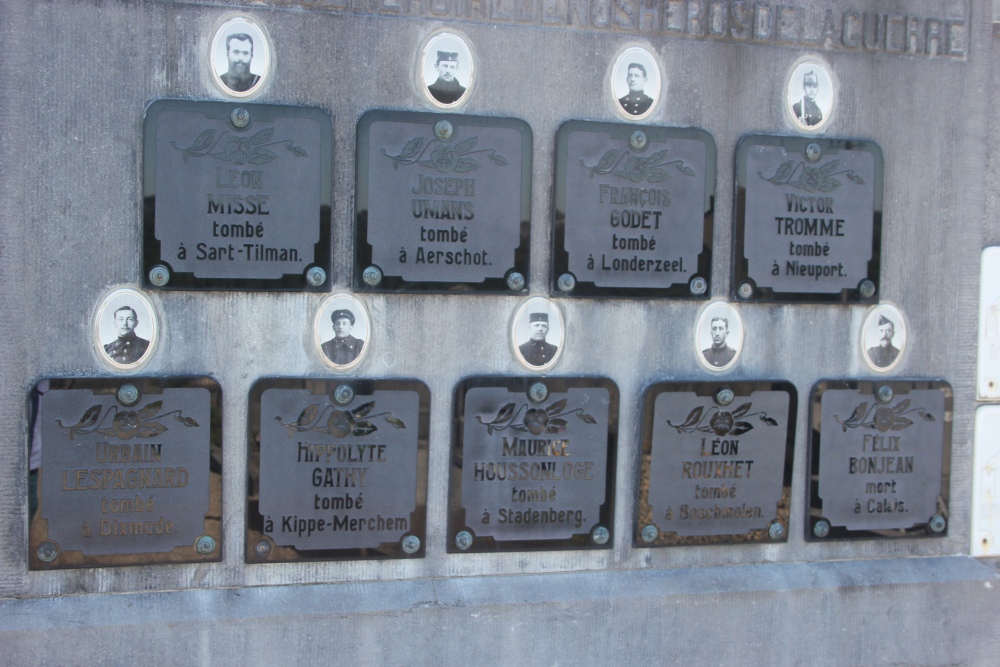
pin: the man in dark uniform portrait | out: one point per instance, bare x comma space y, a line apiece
343, 348
719, 354
637, 102
537, 351
806, 110
127, 348
447, 89
884, 353
239, 49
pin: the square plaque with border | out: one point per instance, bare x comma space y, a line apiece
337, 469
125, 471
880, 459
808, 220
237, 196
717, 461
443, 203
533, 464
633, 211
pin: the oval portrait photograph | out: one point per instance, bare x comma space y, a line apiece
636, 83
809, 94
125, 329
447, 70
883, 338
240, 56
719, 336
538, 334
342, 331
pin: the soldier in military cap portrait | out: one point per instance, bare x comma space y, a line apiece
128, 348
537, 351
806, 111
447, 89
343, 348
637, 102
884, 354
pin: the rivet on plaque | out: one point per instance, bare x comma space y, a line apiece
239, 55
810, 94
125, 329
538, 334
636, 84
446, 69
342, 331
718, 336
883, 338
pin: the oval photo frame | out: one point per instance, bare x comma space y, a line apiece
718, 336
537, 322
342, 332
810, 94
883, 338
446, 69
124, 340
636, 83
239, 56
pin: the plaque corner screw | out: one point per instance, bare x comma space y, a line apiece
411, 544
867, 289
372, 276
538, 392
724, 396
463, 540
698, 285
159, 275
566, 282
745, 290
938, 523
315, 276
205, 545
443, 130
515, 281
47, 552
650, 533
343, 394
821, 528
240, 118
262, 549
128, 394
600, 535
775, 531
637, 140
885, 393
813, 152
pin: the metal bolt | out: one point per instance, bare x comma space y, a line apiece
515, 281
745, 290
698, 285
315, 276
411, 544
867, 289
724, 396
885, 393
262, 549
821, 528
637, 140
240, 118
566, 282
538, 392
343, 394
813, 152
775, 531
159, 275
443, 130
463, 540
600, 535
372, 276
128, 394
650, 533
205, 545
938, 523
47, 552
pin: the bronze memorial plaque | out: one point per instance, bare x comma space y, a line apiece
237, 196
880, 459
125, 471
337, 469
808, 220
533, 464
443, 203
717, 461
633, 211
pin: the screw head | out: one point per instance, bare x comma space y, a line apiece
315, 276
262, 549
938, 523
128, 394
566, 282
724, 396
650, 533
866, 289
411, 544
600, 535
538, 392
443, 130
240, 118
372, 276
343, 394
637, 140
745, 290
47, 552
515, 281
205, 545
159, 275
821, 528
885, 393
463, 540
698, 285
775, 531
813, 152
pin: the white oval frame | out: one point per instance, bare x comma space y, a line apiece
322, 325
792, 92
148, 324
901, 334
519, 325
424, 65
618, 71
216, 45
735, 339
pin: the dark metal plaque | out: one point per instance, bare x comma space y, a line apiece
808, 220
533, 464
717, 463
443, 203
337, 469
237, 196
125, 472
633, 211
880, 459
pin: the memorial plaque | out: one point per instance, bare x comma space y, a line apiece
633, 211
443, 203
337, 469
533, 464
808, 220
717, 463
125, 472
880, 459
237, 196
